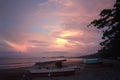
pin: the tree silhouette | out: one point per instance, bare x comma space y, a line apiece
109, 23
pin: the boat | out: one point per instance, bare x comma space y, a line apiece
50, 62
57, 63
43, 71
52, 72
93, 61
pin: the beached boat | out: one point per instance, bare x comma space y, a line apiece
52, 72
93, 61
42, 71
57, 63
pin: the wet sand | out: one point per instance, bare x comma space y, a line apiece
110, 70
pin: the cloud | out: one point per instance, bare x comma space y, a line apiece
37, 43
58, 26
75, 18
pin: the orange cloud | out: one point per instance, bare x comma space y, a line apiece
71, 33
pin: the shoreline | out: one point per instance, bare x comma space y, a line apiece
82, 73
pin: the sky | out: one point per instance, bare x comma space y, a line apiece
48, 28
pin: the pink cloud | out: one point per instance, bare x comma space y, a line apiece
76, 17
66, 22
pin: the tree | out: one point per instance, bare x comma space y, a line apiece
109, 23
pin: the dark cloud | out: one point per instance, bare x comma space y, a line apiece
39, 43
36, 41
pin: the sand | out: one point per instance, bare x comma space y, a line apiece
110, 70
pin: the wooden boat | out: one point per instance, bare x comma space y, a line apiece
52, 72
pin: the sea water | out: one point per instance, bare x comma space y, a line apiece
8, 63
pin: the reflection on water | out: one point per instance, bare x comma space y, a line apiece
6, 63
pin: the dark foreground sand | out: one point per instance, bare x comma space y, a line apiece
110, 70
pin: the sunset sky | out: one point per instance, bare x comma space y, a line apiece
50, 27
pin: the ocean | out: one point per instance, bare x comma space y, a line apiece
8, 63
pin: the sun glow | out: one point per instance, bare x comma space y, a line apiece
17, 47
69, 33
61, 41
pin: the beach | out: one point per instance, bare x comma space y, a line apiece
110, 70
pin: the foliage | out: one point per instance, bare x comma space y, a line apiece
109, 23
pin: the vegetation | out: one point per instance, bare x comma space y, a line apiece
109, 23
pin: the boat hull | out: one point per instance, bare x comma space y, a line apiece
52, 73
67, 73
